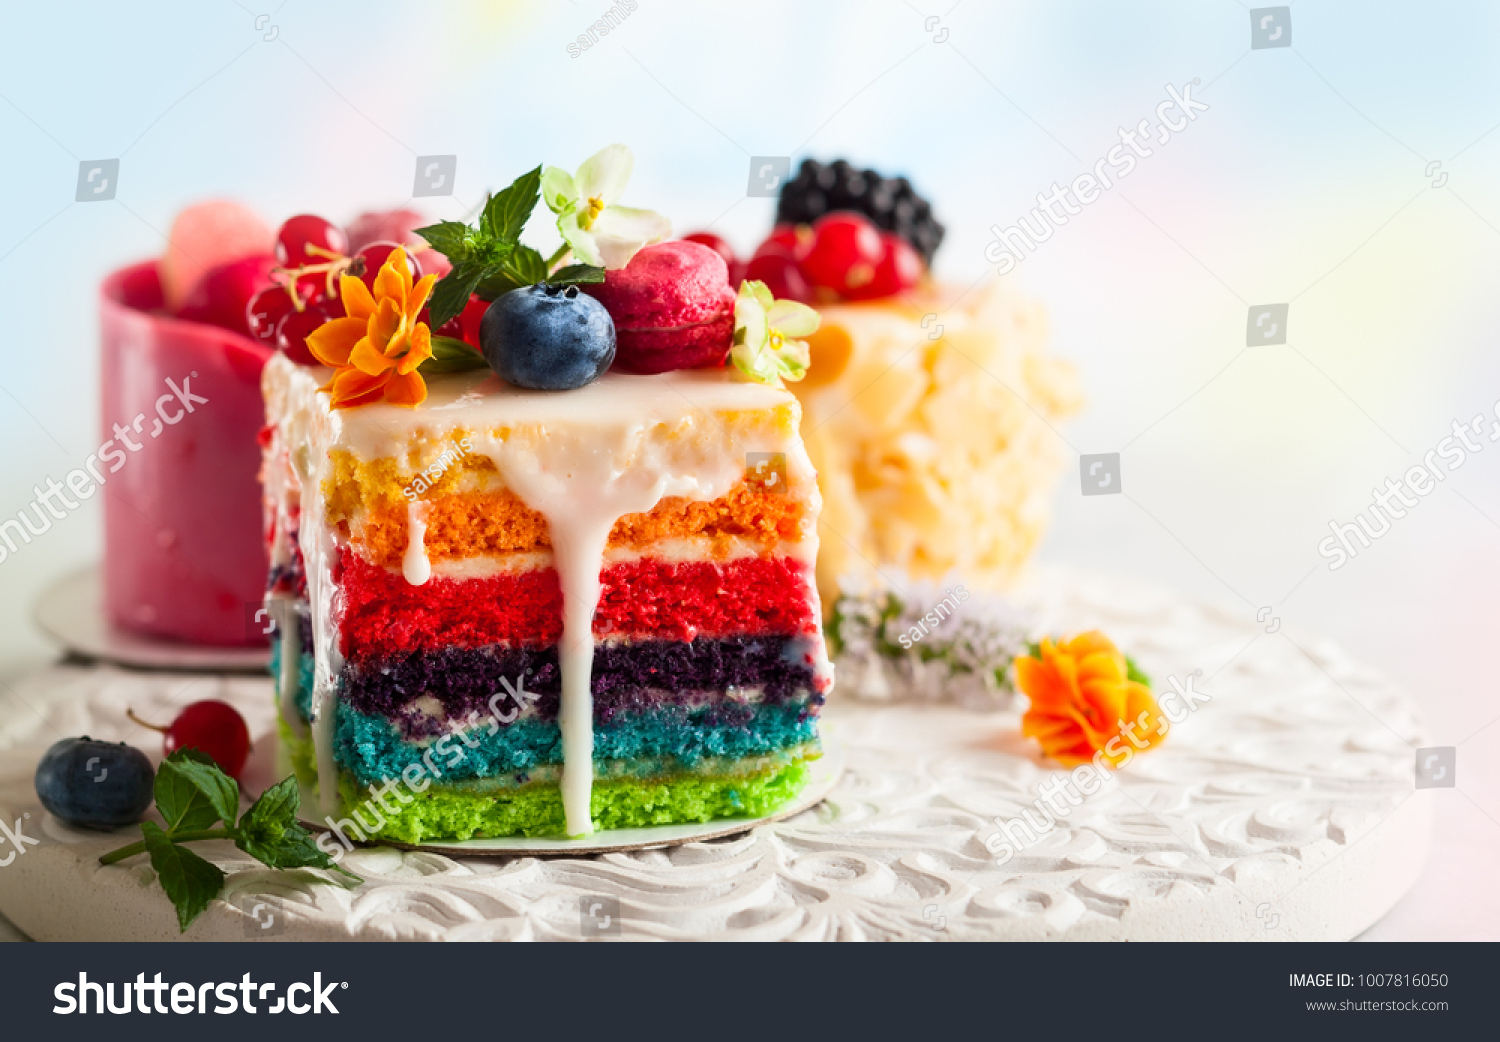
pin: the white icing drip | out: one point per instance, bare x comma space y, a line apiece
583, 479
415, 567
318, 551
289, 681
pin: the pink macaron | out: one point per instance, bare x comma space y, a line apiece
673, 308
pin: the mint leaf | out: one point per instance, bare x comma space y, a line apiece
451, 295
524, 266
192, 793
189, 881
271, 833
506, 212
577, 273
1133, 672
451, 356
450, 238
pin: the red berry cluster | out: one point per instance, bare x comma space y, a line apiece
277, 301
840, 256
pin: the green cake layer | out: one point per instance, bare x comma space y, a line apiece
452, 813
537, 810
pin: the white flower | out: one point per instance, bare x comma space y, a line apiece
599, 231
765, 329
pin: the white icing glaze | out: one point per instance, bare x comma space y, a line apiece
415, 567
582, 479
289, 678
582, 459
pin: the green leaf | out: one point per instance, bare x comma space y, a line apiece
506, 212
450, 355
193, 793
451, 295
524, 266
271, 833
496, 284
1133, 672
577, 273
190, 881
450, 238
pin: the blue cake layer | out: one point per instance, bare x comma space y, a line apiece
373, 749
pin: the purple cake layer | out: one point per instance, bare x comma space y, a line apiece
625, 677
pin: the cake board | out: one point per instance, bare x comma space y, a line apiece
1283, 808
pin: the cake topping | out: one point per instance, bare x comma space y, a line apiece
765, 332
594, 226
548, 338
376, 349
672, 306
890, 203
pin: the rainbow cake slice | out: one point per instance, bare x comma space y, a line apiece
511, 612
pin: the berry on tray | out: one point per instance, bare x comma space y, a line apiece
202, 238
890, 202
672, 306
212, 727
548, 337
220, 297
100, 785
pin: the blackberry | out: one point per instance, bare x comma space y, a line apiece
890, 202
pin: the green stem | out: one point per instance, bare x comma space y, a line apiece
177, 837
558, 257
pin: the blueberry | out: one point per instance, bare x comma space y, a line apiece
547, 338
100, 785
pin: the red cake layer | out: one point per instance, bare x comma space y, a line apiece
385, 616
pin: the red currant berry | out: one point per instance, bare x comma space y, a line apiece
292, 330
306, 239
473, 314
374, 256
464, 325
899, 269
845, 250
214, 728
266, 309
795, 239
715, 243
780, 274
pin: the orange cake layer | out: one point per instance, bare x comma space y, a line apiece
475, 524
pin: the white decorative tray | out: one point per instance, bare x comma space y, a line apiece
1283, 809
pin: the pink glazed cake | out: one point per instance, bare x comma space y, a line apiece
184, 554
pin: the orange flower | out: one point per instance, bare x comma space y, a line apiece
1083, 702
376, 349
